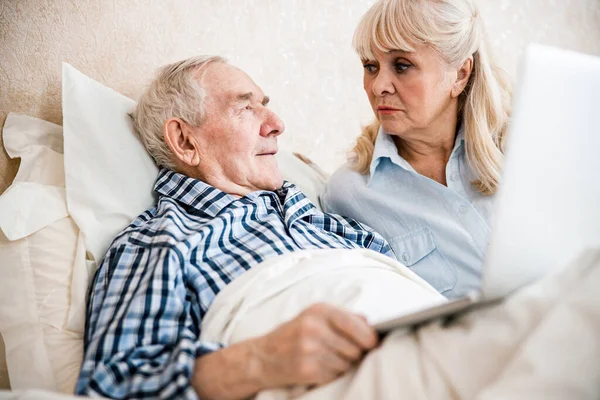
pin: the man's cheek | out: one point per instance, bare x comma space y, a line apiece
240, 146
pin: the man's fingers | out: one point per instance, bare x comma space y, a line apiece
353, 328
346, 348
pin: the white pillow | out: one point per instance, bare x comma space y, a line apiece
44, 274
109, 175
303, 173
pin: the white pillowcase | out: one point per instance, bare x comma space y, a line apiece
42, 264
308, 177
109, 175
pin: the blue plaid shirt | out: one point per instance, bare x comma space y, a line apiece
161, 274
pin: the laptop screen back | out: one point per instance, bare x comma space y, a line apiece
548, 204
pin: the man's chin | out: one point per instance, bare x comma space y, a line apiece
274, 182
277, 183
270, 174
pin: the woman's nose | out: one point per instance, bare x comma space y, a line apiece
382, 84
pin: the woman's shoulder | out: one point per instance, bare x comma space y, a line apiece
346, 178
346, 174
342, 187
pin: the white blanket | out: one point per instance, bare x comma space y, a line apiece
542, 343
278, 289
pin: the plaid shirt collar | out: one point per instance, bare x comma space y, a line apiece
210, 200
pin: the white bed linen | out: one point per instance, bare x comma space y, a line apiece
275, 291
44, 273
542, 343
35, 394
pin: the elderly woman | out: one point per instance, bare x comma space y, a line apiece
425, 172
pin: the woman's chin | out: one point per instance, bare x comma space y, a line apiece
393, 127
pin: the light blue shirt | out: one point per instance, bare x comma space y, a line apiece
440, 232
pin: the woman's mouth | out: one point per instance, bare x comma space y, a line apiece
386, 110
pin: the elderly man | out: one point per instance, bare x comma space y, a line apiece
223, 207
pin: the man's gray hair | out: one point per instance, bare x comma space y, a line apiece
175, 93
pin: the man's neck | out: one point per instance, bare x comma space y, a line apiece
228, 187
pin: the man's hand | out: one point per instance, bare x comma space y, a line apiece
314, 348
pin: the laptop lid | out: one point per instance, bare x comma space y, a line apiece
548, 204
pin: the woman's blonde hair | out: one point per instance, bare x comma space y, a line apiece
453, 28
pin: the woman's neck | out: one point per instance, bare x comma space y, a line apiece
428, 151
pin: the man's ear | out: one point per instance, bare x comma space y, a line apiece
462, 77
180, 139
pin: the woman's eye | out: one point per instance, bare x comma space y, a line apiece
370, 68
401, 67
248, 107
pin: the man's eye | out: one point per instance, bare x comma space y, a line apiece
370, 68
248, 107
401, 67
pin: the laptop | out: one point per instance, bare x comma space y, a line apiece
547, 208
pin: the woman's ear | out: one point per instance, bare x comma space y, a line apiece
462, 77
180, 139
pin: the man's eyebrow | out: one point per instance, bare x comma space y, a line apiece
249, 96
244, 97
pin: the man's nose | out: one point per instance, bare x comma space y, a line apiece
272, 125
382, 84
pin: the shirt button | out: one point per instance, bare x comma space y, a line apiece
405, 257
454, 177
463, 209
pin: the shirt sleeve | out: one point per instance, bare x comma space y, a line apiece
143, 329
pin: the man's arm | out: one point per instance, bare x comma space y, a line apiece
143, 339
314, 348
144, 326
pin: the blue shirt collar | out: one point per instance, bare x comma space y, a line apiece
210, 200
385, 148
459, 141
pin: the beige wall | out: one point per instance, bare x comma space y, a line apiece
297, 50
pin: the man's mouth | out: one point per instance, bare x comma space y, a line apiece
268, 153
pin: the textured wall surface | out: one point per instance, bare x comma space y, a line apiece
297, 50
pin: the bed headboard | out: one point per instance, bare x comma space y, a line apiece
298, 51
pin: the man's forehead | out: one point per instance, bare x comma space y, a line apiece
225, 80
